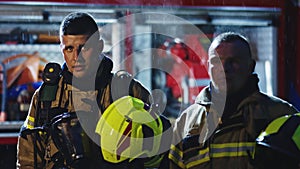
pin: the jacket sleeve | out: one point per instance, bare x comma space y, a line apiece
25, 145
141, 92
191, 124
175, 156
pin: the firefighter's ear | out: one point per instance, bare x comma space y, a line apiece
208, 67
252, 65
101, 45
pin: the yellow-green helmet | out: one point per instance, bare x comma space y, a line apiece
128, 131
279, 144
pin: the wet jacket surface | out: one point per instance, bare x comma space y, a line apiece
64, 103
205, 139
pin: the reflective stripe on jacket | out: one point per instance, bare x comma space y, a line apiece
64, 102
196, 146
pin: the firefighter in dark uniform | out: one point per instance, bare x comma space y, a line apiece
220, 128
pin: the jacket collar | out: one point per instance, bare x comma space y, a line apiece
208, 97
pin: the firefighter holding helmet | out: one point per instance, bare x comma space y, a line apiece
74, 98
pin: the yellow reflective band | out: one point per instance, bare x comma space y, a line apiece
176, 151
176, 156
233, 145
29, 122
230, 154
274, 126
232, 149
202, 157
296, 137
177, 162
240, 149
154, 161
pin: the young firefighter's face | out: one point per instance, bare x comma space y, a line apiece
81, 54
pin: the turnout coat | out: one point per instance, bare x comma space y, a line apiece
205, 139
104, 93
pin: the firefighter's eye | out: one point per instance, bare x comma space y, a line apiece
85, 48
69, 48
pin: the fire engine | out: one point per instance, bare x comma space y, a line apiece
158, 42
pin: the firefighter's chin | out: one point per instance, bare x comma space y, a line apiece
82, 74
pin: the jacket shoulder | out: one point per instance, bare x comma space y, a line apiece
189, 122
272, 102
264, 108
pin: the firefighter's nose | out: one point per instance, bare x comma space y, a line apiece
77, 53
227, 65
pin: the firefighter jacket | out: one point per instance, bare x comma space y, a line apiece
44, 146
205, 139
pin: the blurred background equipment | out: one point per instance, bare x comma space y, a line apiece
21, 76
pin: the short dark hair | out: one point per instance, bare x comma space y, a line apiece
230, 37
79, 23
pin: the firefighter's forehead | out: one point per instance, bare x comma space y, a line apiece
74, 39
